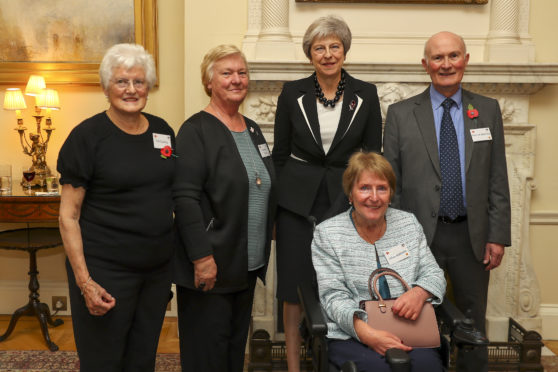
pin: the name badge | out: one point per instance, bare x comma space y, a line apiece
264, 150
396, 254
481, 134
161, 140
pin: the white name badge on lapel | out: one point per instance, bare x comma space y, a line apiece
396, 254
161, 140
481, 134
264, 150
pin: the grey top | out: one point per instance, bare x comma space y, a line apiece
258, 197
344, 261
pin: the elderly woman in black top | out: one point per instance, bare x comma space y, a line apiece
116, 219
224, 206
321, 120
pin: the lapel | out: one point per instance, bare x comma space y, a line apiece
350, 99
307, 104
425, 121
468, 99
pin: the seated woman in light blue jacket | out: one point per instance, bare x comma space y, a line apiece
345, 251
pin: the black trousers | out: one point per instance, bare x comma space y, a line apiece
213, 328
452, 249
125, 338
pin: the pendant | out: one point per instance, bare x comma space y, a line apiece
258, 181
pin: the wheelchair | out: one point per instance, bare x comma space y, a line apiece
456, 331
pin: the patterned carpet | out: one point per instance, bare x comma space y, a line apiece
65, 361
550, 363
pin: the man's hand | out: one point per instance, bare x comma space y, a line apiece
493, 254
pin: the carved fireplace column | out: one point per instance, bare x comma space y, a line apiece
503, 40
275, 42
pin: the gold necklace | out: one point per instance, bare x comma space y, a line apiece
366, 237
250, 147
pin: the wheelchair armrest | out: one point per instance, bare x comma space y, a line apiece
349, 366
461, 328
310, 303
398, 360
449, 314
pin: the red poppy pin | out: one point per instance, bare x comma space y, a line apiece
352, 105
472, 112
166, 152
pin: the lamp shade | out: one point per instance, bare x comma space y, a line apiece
13, 99
48, 99
34, 86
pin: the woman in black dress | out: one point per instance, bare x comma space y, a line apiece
116, 219
321, 120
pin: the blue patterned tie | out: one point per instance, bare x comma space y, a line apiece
451, 198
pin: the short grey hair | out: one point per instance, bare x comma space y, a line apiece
323, 27
127, 56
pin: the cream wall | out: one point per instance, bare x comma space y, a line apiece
208, 23
544, 113
187, 29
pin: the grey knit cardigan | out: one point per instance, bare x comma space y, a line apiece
343, 262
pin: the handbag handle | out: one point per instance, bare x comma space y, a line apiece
376, 274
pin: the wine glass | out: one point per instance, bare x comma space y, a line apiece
28, 176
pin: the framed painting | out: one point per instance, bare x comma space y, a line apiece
64, 41
398, 1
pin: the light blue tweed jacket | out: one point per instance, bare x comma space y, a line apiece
344, 261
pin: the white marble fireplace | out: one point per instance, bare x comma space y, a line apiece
507, 73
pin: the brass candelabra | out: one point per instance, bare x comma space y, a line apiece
35, 144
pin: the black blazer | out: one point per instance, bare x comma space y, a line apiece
297, 132
211, 202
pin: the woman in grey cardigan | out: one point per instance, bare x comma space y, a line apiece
349, 246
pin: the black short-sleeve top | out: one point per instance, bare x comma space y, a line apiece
127, 213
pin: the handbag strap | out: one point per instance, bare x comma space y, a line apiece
376, 274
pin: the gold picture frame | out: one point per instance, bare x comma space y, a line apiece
145, 32
473, 2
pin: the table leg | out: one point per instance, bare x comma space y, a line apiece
34, 306
24, 310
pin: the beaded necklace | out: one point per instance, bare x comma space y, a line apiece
320, 94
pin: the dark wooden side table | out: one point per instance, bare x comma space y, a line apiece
25, 207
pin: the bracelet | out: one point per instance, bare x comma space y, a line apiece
85, 285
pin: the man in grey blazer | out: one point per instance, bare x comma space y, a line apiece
449, 159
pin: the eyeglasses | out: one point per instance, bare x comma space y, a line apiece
125, 83
321, 49
368, 190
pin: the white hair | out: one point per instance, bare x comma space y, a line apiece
127, 56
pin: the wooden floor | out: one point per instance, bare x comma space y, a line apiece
27, 336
